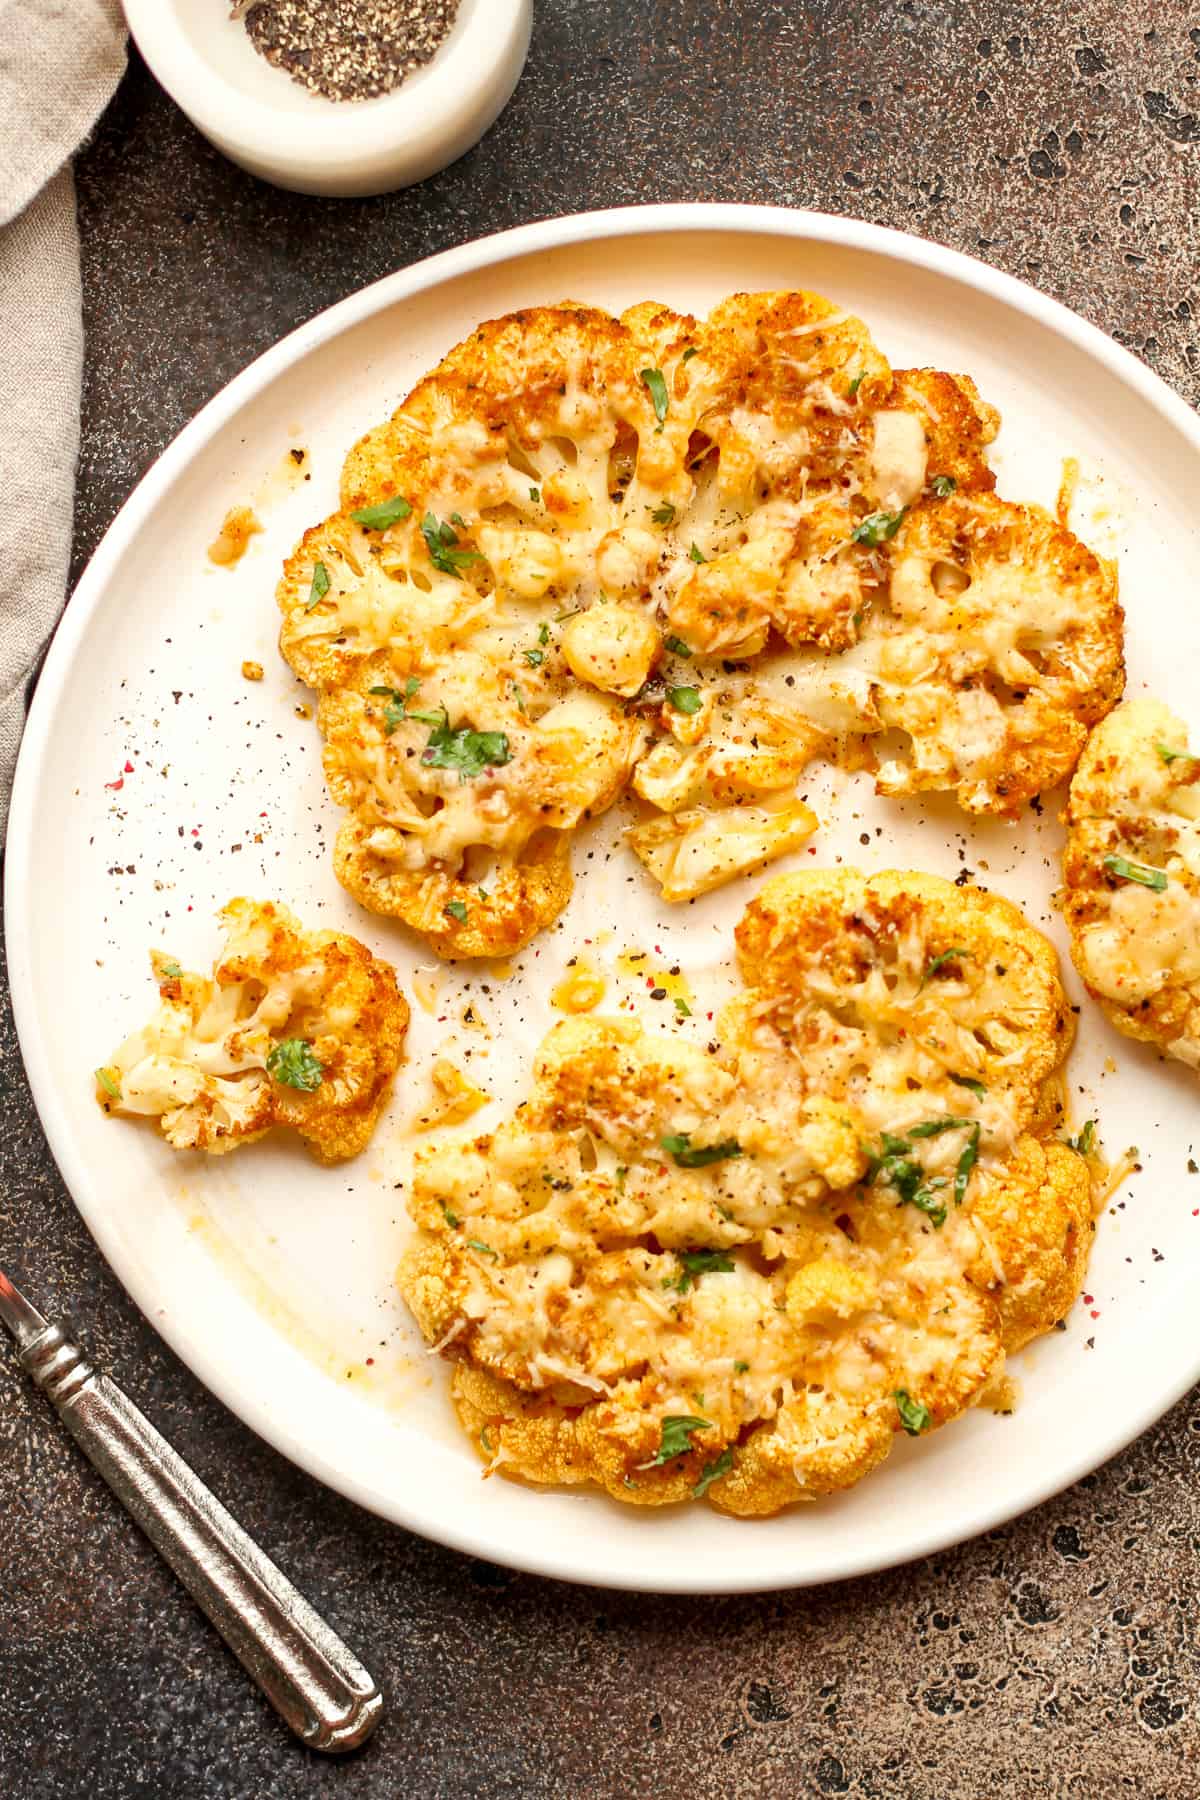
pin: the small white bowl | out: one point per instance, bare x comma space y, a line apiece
259, 117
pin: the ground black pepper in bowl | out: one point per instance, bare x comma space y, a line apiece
348, 49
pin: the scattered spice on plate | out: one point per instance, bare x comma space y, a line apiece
347, 49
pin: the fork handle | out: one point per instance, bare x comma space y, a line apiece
305, 1670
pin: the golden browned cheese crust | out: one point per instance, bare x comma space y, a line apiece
1132, 876
723, 546
735, 1270
294, 1028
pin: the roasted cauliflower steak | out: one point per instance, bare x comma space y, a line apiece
1132, 876
685, 556
294, 1028
736, 1269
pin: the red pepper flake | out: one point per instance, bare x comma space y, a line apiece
1095, 1313
128, 767
114, 787
1087, 1299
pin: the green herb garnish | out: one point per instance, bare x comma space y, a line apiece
452, 1219
697, 1263
685, 699
320, 586
697, 555
1140, 872
109, 1083
935, 1127
396, 711
456, 909
698, 1156
966, 1162
483, 1249
469, 752
441, 542
1083, 1143
677, 647
682, 1007
677, 1429
535, 658
543, 634
535, 494
914, 1417
172, 971
656, 387
955, 954
711, 1472
388, 512
689, 353
978, 1088
877, 528
854, 386
943, 486
741, 1368
1169, 756
664, 514
293, 1065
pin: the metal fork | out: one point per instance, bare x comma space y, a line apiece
310, 1677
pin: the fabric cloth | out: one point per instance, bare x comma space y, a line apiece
60, 61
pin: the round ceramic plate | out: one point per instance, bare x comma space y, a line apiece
155, 783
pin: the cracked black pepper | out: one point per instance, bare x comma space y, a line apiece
348, 49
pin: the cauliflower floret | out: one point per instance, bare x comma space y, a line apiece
295, 1028
611, 646
696, 850
1001, 645
744, 1268
1132, 868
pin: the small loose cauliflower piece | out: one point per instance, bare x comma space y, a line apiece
611, 646
295, 1028
1132, 870
738, 1271
694, 851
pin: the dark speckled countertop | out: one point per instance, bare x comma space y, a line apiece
1055, 1657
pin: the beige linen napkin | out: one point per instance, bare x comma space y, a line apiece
59, 63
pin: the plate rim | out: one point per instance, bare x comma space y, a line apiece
430, 272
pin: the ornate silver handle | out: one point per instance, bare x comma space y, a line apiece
314, 1682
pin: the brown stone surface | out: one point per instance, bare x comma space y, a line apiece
1055, 1657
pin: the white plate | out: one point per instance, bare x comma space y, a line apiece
271, 1277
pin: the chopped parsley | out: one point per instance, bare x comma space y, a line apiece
655, 384
470, 752
954, 954
442, 544
485, 1439
452, 1219
172, 971
741, 1368
664, 514
1169, 755
854, 386
677, 647
877, 528
698, 1156
535, 494
293, 1065
685, 699
711, 1472
1083, 1143
914, 1417
935, 1127
676, 1440
535, 658
978, 1088
543, 634
570, 612
966, 1162
320, 586
456, 909
388, 512
697, 1263
396, 711
943, 486
682, 1007
483, 1249
697, 555
1140, 872
109, 1083
689, 353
